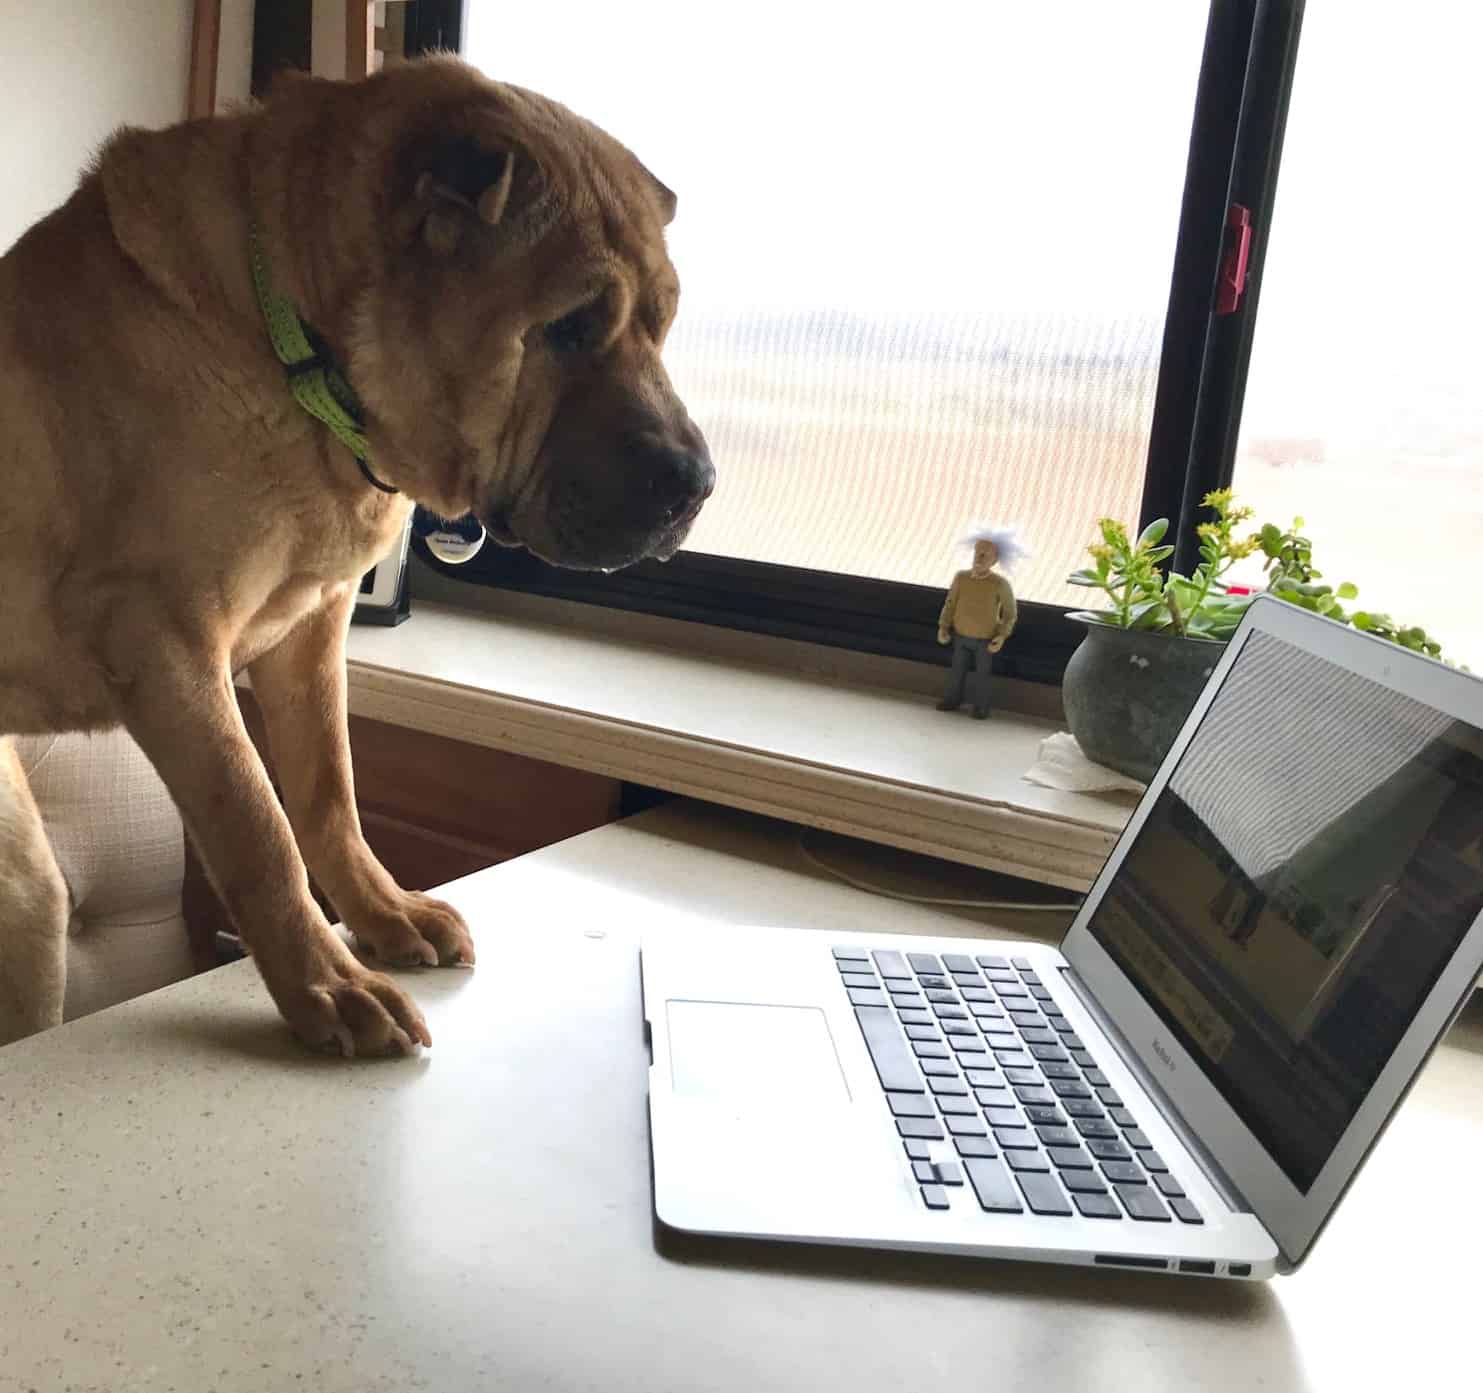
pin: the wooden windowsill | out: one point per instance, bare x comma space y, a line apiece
812, 735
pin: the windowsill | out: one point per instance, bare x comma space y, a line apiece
812, 735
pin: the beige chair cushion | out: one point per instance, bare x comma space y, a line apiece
118, 840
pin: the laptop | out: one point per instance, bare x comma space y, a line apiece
1190, 1082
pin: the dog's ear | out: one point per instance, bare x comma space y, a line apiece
665, 195
460, 182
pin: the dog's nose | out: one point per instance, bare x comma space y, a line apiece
680, 481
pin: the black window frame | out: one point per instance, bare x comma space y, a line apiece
1240, 114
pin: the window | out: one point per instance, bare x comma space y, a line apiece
1364, 406
940, 266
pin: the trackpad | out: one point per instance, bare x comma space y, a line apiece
753, 1054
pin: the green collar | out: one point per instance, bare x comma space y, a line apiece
313, 377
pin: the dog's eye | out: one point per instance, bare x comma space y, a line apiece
578, 331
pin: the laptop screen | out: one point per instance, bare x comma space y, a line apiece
1298, 887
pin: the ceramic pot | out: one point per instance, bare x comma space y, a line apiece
1127, 692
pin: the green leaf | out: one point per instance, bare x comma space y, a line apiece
1083, 578
1348, 591
1159, 553
1362, 621
1153, 534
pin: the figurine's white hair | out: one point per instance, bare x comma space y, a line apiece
1006, 542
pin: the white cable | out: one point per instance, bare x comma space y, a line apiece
865, 885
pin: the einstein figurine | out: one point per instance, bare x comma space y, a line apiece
979, 615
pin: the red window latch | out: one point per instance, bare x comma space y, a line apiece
1232, 284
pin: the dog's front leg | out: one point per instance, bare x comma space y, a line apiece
181, 709
300, 685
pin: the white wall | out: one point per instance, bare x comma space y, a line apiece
70, 71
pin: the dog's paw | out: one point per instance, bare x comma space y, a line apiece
351, 1010
415, 930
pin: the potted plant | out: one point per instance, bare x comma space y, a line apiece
1135, 676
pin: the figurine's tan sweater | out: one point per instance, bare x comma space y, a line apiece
979, 606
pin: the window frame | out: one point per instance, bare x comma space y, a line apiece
1239, 116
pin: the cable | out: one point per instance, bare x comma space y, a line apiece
949, 901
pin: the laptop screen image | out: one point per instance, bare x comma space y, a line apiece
1297, 888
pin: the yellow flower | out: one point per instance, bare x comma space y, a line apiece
1218, 498
1100, 552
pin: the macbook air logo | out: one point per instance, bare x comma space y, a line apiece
1163, 1055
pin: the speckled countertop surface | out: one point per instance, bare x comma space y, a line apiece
188, 1202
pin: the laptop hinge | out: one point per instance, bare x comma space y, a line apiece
1213, 1173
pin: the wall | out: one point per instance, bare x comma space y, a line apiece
71, 71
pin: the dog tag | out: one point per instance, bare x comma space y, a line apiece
454, 541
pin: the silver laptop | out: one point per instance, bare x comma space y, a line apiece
1191, 1080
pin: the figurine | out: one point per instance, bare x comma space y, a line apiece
979, 615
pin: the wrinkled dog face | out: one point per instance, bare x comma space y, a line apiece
509, 354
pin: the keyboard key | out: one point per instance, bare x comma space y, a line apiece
1001, 1039
982, 994
1101, 1206
891, 964
921, 1032
983, 1076
858, 979
1122, 1117
950, 1013
938, 983
1186, 1211
934, 1197
1105, 1150
1014, 1059
1027, 1093
1124, 1172
1142, 1203
861, 996
1152, 1161
992, 962
1062, 1027
939, 1068
995, 1096
911, 1105
904, 996
1082, 1107
1024, 964
991, 1183
966, 1126
1059, 1069
1040, 994
859, 953
1043, 1194
941, 1085
1022, 1017
1048, 1054
1031, 979
1003, 1117
1137, 1140
1084, 1182
930, 1049
911, 1017
1027, 1160
1097, 1078
959, 1028
917, 1150
1056, 1136
1073, 1043
1001, 977
1033, 1036
1168, 1185
941, 997
926, 1128
986, 1011
959, 962
1045, 1117
1070, 1088
949, 1173
925, 1172
965, 980
1095, 1127
1015, 1139
1008, 994
968, 1044
1069, 1158
1031, 1076
974, 1146
924, 962
950, 1106
888, 1052
1109, 1097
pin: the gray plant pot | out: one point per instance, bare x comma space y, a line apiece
1127, 692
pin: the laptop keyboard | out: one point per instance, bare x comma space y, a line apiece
975, 1049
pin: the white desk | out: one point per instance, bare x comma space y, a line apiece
189, 1202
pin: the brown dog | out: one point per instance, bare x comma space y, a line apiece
489, 272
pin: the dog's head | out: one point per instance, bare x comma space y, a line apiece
506, 343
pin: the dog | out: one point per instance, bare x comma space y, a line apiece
486, 273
